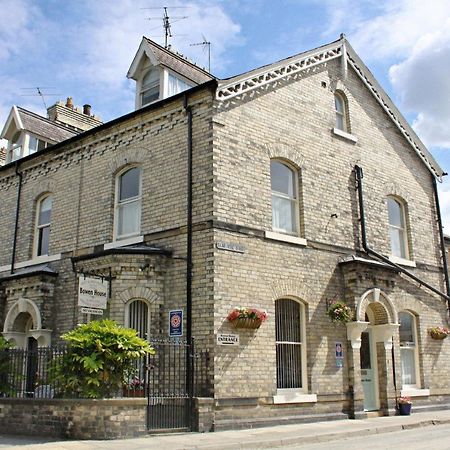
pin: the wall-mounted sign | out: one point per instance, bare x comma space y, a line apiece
229, 246
176, 322
339, 354
92, 292
95, 311
227, 339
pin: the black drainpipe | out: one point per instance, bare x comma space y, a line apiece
189, 362
16, 225
441, 237
369, 251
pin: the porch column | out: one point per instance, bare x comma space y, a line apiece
354, 330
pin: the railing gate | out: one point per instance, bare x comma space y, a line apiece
169, 399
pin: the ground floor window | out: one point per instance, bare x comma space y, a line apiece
138, 317
408, 349
290, 344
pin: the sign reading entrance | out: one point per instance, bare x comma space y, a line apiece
228, 339
92, 292
176, 322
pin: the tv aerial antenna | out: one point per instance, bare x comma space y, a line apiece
205, 44
38, 93
167, 21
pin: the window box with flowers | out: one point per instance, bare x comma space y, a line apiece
438, 333
339, 312
404, 406
249, 318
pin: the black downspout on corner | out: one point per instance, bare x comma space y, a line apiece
189, 362
369, 251
16, 224
442, 241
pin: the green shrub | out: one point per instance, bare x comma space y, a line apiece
100, 355
5, 386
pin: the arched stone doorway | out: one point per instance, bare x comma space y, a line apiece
23, 322
370, 358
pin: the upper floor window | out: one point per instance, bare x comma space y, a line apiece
397, 228
36, 145
44, 214
290, 345
408, 349
176, 85
340, 109
284, 184
15, 147
128, 203
150, 87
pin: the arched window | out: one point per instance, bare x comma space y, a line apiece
128, 203
408, 349
284, 184
290, 345
138, 318
150, 87
43, 225
340, 109
397, 228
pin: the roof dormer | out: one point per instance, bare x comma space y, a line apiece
160, 73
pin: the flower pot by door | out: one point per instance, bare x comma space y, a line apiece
404, 409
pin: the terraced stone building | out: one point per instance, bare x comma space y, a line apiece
284, 189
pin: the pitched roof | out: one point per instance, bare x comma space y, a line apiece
247, 82
171, 60
44, 127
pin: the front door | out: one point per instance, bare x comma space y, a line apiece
368, 372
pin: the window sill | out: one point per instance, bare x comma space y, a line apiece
293, 397
402, 261
124, 242
32, 262
286, 238
345, 135
414, 392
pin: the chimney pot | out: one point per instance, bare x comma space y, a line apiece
69, 102
87, 110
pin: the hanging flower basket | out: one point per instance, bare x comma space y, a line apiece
249, 318
438, 333
339, 312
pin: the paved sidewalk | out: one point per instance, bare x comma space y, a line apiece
278, 436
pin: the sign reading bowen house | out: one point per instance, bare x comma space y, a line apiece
92, 292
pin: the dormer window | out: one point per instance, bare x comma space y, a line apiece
176, 85
150, 87
36, 145
15, 147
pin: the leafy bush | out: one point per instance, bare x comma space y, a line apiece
4, 365
100, 356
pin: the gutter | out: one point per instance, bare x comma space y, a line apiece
16, 223
370, 251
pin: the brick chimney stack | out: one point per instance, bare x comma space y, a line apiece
72, 116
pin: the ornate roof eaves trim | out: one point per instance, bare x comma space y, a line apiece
13, 115
396, 116
250, 81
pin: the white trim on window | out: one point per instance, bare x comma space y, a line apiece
124, 242
398, 230
402, 261
409, 392
293, 397
340, 110
345, 135
286, 238
42, 229
32, 262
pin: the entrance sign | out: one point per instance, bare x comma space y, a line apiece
92, 292
94, 311
176, 322
228, 339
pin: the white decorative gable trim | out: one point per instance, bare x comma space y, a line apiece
282, 71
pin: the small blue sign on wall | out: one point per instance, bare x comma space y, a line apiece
176, 322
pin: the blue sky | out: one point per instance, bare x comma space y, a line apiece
83, 49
